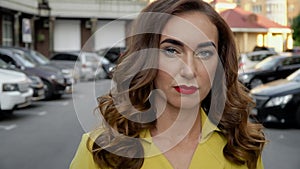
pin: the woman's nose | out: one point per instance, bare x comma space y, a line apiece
188, 69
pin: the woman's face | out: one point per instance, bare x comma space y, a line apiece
187, 61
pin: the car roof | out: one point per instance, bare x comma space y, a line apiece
6, 51
285, 55
260, 52
17, 48
72, 52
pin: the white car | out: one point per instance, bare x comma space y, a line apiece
15, 91
249, 60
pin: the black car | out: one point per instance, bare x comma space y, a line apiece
53, 80
269, 69
40, 59
112, 54
279, 100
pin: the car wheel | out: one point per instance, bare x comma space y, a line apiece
6, 113
298, 117
48, 90
255, 82
57, 96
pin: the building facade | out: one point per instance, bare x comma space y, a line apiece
72, 25
280, 11
66, 25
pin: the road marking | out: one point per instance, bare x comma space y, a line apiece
42, 113
80, 96
8, 127
281, 136
65, 103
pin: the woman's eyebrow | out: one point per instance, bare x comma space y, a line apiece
172, 41
206, 44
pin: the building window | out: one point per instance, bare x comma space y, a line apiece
257, 9
268, 8
7, 30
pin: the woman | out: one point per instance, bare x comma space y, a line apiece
176, 102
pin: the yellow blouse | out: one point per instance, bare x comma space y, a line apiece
208, 154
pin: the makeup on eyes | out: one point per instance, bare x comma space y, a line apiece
203, 50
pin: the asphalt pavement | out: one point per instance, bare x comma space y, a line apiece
46, 134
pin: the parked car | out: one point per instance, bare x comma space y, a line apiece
36, 83
14, 91
87, 64
53, 80
296, 49
112, 54
259, 48
269, 69
107, 66
250, 59
279, 100
39, 59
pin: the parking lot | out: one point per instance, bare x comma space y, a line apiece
46, 134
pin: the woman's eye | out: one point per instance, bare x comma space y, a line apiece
204, 54
170, 51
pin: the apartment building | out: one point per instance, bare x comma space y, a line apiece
280, 11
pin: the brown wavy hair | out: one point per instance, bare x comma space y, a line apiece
126, 110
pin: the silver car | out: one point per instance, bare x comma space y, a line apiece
86, 64
250, 59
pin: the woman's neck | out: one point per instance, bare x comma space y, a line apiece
175, 125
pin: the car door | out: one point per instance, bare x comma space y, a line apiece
9, 61
288, 66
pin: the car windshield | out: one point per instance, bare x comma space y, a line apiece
24, 60
3, 64
294, 76
267, 63
40, 58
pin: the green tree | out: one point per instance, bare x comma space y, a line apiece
296, 28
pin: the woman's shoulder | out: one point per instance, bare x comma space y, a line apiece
84, 157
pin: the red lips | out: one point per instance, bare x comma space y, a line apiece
186, 89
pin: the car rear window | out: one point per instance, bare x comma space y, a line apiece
66, 57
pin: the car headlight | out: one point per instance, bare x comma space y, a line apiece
35, 81
67, 72
57, 79
10, 87
53, 77
245, 78
281, 100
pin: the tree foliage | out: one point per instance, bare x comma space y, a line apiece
296, 28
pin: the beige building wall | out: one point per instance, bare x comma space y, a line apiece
293, 10
245, 41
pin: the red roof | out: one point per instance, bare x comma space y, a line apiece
239, 18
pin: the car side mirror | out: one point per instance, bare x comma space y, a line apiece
12, 66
